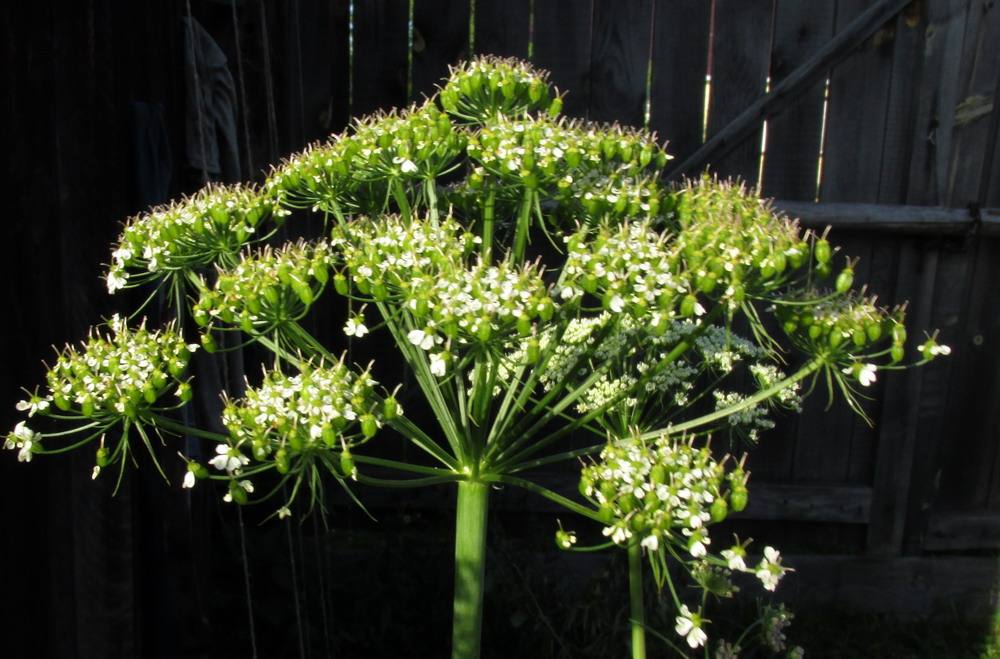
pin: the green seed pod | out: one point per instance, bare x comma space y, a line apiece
874, 331
524, 325
369, 426
340, 283
658, 474
688, 305
844, 280
305, 293
860, 337
208, 342
103, 457
586, 486
390, 408
534, 350
237, 493
347, 467
281, 461
606, 512
896, 352
719, 509
328, 435
821, 250
738, 498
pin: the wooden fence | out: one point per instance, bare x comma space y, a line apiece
877, 117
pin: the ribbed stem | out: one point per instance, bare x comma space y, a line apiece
638, 613
470, 563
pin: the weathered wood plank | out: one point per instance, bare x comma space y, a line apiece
911, 220
733, 135
380, 74
503, 28
440, 40
740, 61
961, 531
859, 90
620, 61
562, 46
975, 103
791, 154
936, 97
680, 65
910, 586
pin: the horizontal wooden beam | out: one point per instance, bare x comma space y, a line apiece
958, 531
908, 586
914, 220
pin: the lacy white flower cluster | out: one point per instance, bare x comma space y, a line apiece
118, 374
267, 288
191, 233
426, 264
662, 491
630, 268
301, 413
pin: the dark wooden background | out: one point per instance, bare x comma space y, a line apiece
876, 117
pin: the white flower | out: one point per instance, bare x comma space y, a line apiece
229, 459
116, 282
770, 570
189, 479
421, 338
438, 364
22, 438
284, 512
688, 625
616, 304
652, 543
95, 473
734, 558
33, 406
356, 327
408, 167
865, 373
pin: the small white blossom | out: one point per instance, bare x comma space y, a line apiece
688, 625
770, 570
438, 364
22, 439
229, 459
421, 338
189, 479
356, 327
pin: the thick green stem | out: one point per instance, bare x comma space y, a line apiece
470, 563
635, 596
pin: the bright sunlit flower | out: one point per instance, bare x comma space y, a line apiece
688, 625
229, 459
770, 570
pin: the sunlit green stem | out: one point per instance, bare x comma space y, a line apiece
638, 613
470, 563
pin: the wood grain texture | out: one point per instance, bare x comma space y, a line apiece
441, 40
791, 159
380, 75
620, 61
503, 28
740, 63
680, 64
562, 44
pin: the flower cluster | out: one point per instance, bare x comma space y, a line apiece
196, 232
352, 172
267, 288
428, 269
288, 415
121, 374
843, 328
481, 89
662, 491
630, 268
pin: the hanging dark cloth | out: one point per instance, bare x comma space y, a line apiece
211, 107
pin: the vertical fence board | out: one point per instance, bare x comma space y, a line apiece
901, 110
503, 28
935, 100
441, 39
791, 154
620, 61
381, 55
562, 46
679, 63
739, 76
975, 103
859, 88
